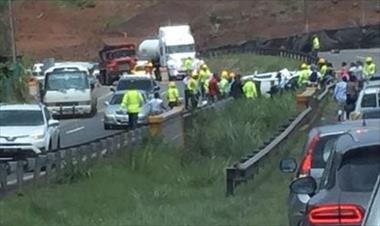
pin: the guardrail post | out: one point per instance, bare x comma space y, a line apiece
3, 176
37, 169
49, 167
230, 181
58, 162
20, 173
125, 139
94, 150
111, 145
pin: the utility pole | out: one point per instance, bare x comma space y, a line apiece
306, 15
363, 13
12, 31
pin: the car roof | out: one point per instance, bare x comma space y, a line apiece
4, 107
359, 137
342, 126
371, 89
66, 65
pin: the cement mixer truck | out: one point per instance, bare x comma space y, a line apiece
172, 46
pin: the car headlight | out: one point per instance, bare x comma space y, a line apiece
37, 135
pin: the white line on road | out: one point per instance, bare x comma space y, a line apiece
75, 130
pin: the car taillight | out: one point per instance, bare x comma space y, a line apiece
343, 214
308, 159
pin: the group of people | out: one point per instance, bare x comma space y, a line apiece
203, 85
350, 82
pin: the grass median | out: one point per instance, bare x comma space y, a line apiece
158, 184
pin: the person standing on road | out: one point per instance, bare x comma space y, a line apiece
340, 96
237, 87
315, 45
249, 89
188, 65
192, 86
213, 90
132, 101
172, 95
369, 68
352, 94
156, 105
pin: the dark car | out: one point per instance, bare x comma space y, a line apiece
346, 185
137, 82
320, 143
372, 216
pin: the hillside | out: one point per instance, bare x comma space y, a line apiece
74, 28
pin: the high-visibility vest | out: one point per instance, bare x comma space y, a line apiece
223, 86
173, 94
303, 77
188, 64
192, 85
369, 70
203, 75
316, 44
323, 70
249, 89
132, 101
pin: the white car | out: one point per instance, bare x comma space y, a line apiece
27, 130
368, 100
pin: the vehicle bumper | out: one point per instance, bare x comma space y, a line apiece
70, 110
121, 120
12, 150
177, 74
297, 208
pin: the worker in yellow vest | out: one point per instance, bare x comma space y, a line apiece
192, 87
172, 95
132, 102
249, 89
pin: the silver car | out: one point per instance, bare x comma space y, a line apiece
372, 216
115, 117
342, 196
27, 130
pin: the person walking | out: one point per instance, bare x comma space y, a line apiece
237, 87
156, 105
369, 68
132, 101
172, 95
249, 89
192, 86
340, 96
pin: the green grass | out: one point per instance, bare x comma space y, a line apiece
158, 184
77, 3
249, 63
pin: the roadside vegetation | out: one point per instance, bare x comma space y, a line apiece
159, 184
247, 63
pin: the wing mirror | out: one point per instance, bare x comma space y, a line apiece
288, 165
113, 89
304, 186
53, 122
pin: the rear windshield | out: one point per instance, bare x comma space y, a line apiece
323, 150
359, 169
135, 84
369, 100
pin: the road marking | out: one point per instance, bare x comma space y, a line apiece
75, 130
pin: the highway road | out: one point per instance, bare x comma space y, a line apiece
80, 130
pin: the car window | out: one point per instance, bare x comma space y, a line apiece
359, 169
21, 118
373, 217
369, 100
323, 150
328, 173
140, 84
116, 99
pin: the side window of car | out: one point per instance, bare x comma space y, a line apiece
327, 173
47, 114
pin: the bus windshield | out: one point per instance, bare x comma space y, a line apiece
67, 80
180, 49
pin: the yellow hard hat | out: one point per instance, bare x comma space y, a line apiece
368, 59
224, 74
304, 66
204, 66
321, 61
172, 84
194, 74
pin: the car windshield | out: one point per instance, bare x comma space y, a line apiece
120, 53
359, 169
67, 80
141, 84
369, 100
180, 49
21, 118
116, 99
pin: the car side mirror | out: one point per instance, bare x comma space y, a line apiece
288, 165
113, 89
304, 186
106, 103
53, 122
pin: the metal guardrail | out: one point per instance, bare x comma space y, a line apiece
50, 167
249, 165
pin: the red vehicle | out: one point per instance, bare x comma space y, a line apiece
117, 56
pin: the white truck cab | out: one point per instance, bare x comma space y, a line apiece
176, 43
67, 90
